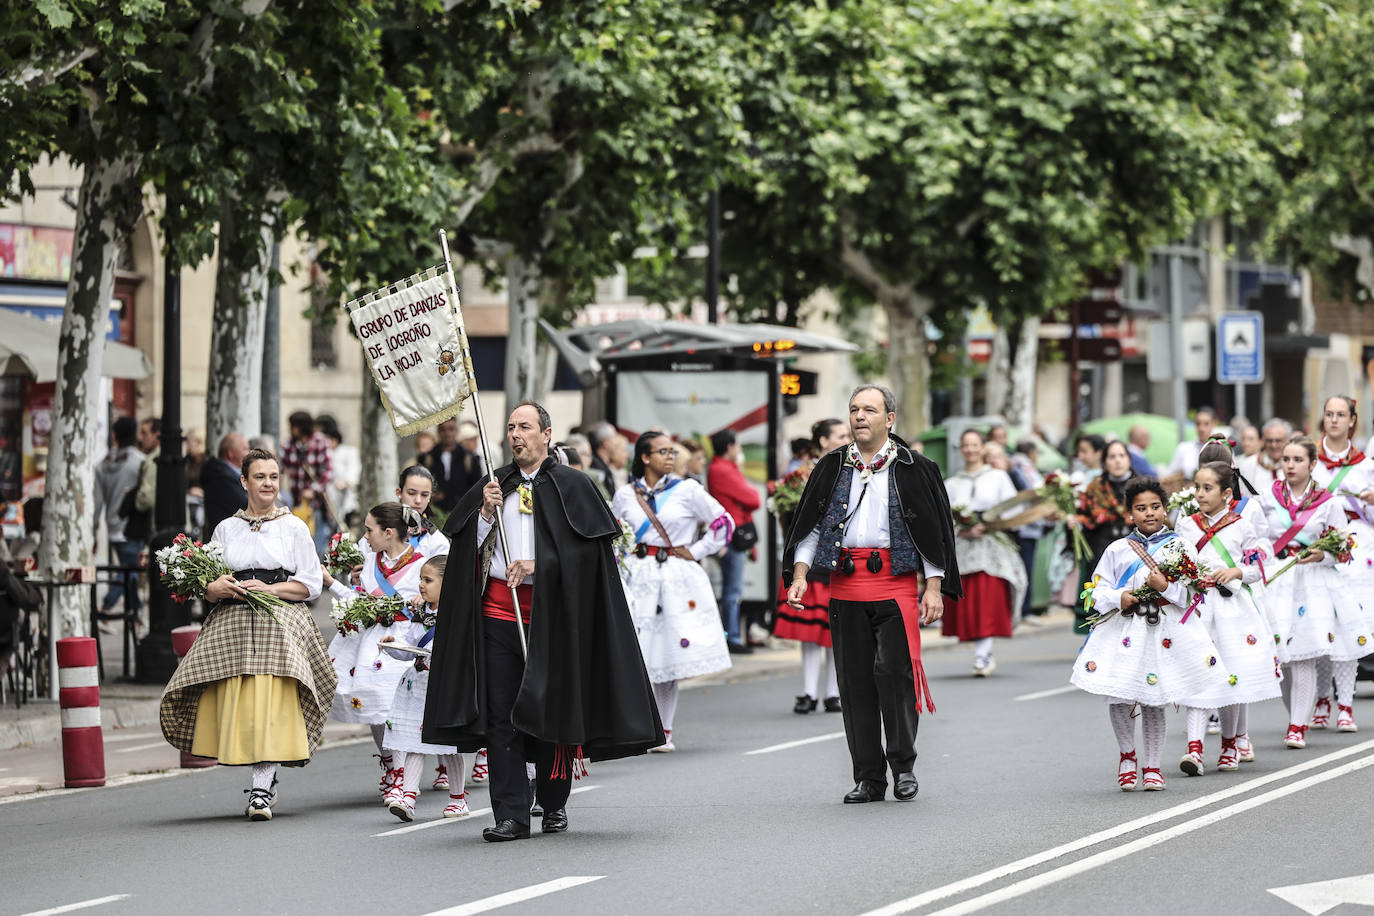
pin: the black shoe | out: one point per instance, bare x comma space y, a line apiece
832, 704
555, 821
506, 830
804, 705
738, 648
865, 791
905, 788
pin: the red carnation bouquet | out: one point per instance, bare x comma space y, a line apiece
785, 493
342, 556
1334, 541
1059, 490
187, 568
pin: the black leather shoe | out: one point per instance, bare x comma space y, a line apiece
506, 830
736, 648
832, 704
555, 821
865, 791
904, 789
804, 705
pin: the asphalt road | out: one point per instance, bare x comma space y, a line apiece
1018, 813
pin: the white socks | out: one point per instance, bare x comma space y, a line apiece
982, 649
665, 695
262, 775
1123, 725
1345, 681
811, 671
457, 776
1152, 731
1303, 692
1197, 723
1230, 720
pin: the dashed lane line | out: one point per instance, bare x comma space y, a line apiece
517, 896
791, 744
1041, 694
443, 821
82, 905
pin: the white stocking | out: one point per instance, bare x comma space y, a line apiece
1230, 719
1152, 732
811, 669
665, 695
1303, 692
1324, 673
1123, 725
1345, 681
414, 768
832, 678
982, 649
456, 774
1197, 723
1243, 719
262, 775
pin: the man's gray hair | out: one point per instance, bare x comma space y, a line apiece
1281, 424
889, 399
600, 434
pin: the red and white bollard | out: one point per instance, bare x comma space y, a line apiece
83, 744
182, 639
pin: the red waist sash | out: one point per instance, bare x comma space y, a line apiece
883, 586
497, 603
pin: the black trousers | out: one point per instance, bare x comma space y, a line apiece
508, 750
877, 687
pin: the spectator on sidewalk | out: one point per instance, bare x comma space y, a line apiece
454, 467
347, 467
150, 443
602, 438
726, 484
220, 479
1184, 463
308, 469
1137, 441
425, 440
115, 478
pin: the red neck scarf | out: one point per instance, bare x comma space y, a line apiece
1352, 456
1209, 531
405, 559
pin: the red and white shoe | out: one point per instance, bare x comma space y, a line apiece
1126, 775
457, 806
1153, 779
1296, 737
1191, 762
1245, 751
1229, 760
390, 777
1321, 713
1345, 720
440, 778
479, 768
667, 747
403, 806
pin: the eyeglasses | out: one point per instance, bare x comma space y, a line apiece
662, 452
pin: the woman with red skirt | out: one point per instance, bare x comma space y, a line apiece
990, 566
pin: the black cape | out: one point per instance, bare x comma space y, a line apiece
585, 682
925, 506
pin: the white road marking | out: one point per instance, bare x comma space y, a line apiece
791, 744
1318, 897
144, 747
1111, 833
115, 738
98, 901
1150, 841
523, 894
1041, 694
444, 821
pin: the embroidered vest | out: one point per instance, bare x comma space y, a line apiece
905, 557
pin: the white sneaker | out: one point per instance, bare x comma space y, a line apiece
982, 667
1214, 724
457, 806
1245, 749
260, 802
667, 747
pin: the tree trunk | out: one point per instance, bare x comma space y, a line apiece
524, 276
908, 361
109, 204
378, 449
242, 283
1011, 373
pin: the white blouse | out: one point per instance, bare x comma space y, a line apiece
1359, 478
407, 585
283, 543
680, 510
1328, 514
981, 491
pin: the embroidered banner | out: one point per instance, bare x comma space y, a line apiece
415, 344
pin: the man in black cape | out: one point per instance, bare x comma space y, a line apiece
872, 516
583, 688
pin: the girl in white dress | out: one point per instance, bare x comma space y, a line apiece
1221, 538
1130, 660
1314, 613
408, 705
367, 675
671, 599
1347, 474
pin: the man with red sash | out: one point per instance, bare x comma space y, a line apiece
582, 688
872, 517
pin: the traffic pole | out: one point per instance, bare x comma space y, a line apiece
83, 744
182, 640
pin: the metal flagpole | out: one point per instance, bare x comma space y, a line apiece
466, 357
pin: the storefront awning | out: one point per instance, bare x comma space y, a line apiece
28, 346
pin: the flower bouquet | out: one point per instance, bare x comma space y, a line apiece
187, 568
1059, 490
1184, 501
342, 556
624, 542
1177, 566
1334, 541
784, 494
357, 614
965, 518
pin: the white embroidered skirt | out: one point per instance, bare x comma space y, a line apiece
676, 618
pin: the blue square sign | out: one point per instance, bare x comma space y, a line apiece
1240, 348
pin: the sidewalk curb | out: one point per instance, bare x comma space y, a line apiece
41, 728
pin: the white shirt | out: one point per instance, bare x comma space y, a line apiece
283, 543
981, 491
681, 511
519, 534
868, 526
1185, 459
1260, 476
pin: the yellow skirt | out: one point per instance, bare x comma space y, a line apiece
253, 718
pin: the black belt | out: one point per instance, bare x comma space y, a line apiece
266, 576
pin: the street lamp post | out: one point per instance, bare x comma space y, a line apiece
156, 657
713, 258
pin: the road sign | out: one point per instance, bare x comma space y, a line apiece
1240, 348
1197, 351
